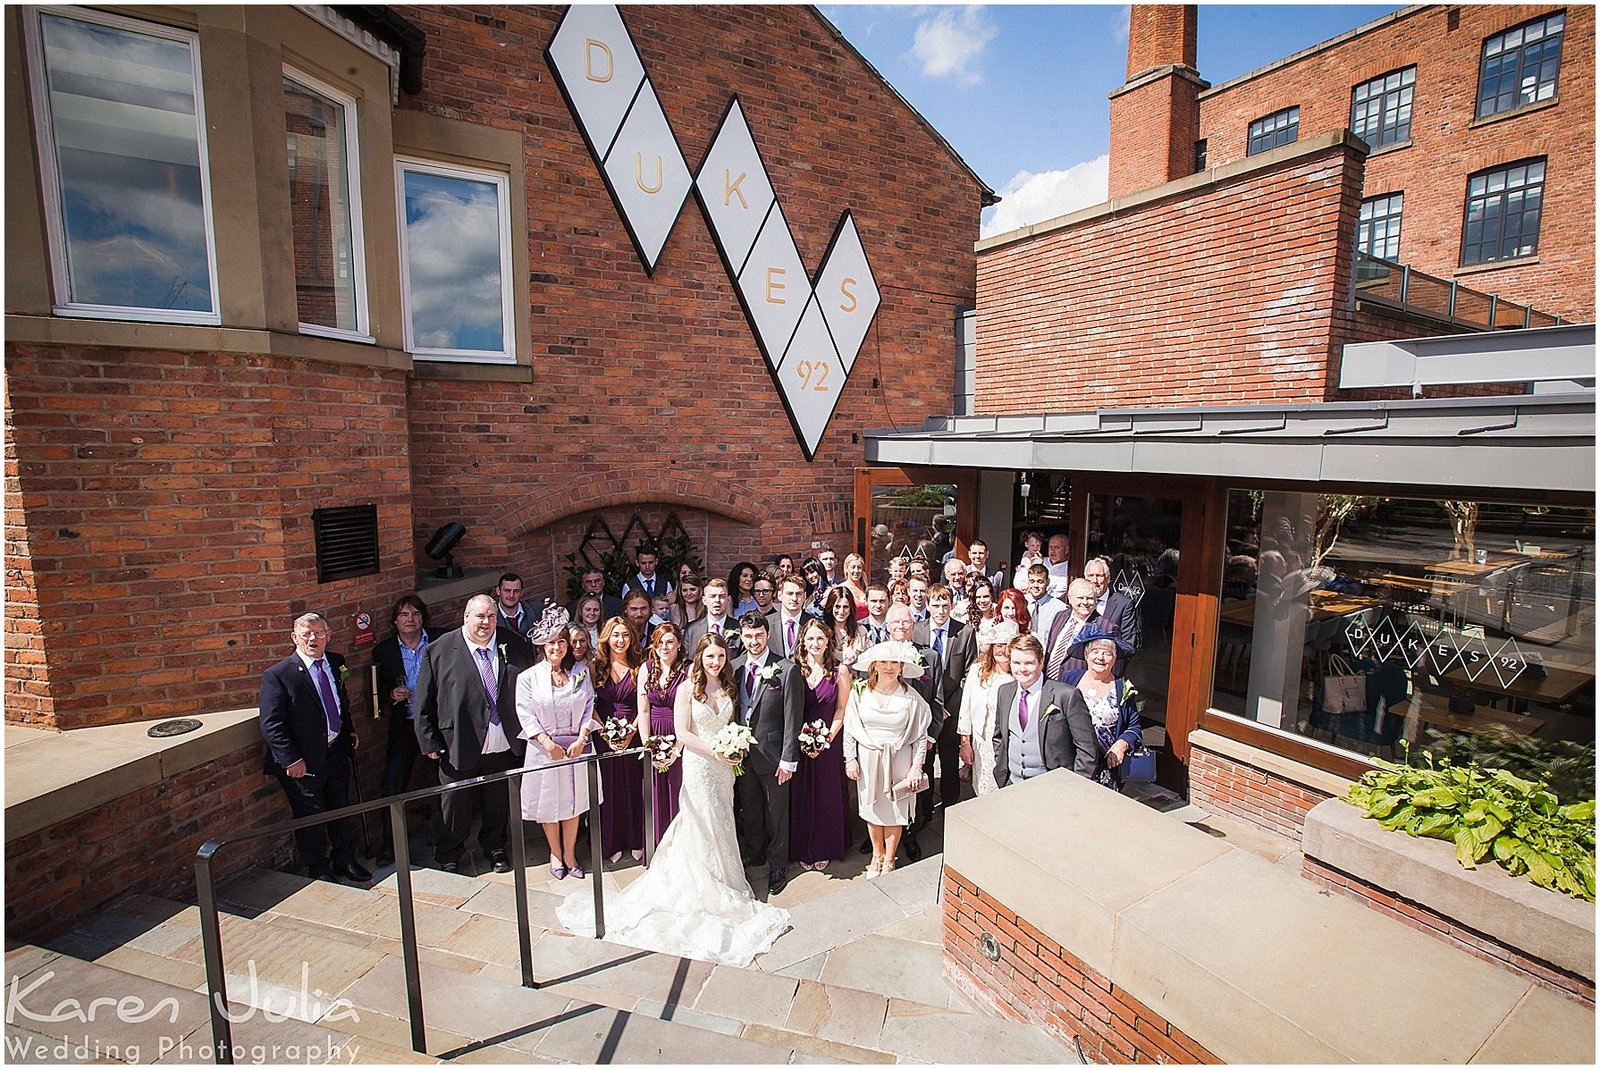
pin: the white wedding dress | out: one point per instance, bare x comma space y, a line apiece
694, 900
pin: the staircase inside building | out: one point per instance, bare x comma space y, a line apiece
315, 974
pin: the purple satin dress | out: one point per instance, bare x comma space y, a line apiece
621, 778
669, 783
817, 829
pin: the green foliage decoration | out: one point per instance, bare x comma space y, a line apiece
1486, 813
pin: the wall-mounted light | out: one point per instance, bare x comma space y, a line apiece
990, 946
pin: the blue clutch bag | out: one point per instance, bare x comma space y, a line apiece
1139, 766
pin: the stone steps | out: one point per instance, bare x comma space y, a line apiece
857, 980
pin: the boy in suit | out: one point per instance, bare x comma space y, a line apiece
1037, 727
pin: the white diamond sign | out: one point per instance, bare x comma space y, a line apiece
774, 286
733, 188
647, 175
810, 377
847, 291
598, 69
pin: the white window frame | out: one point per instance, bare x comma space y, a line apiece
50, 175
358, 240
502, 183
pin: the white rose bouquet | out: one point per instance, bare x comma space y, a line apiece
814, 738
733, 742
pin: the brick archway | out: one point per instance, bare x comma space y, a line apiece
628, 488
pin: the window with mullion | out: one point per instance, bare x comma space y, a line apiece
1503, 213
1521, 65
1270, 131
1378, 226
1380, 110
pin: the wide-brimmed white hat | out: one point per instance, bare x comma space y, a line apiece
904, 652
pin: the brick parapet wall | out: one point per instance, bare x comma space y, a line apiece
1572, 985
1447, 145
142, 842
1037, 981
1268, 801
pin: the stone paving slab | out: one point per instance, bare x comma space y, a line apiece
297, 896
38, 994
1543, 1029
812, 1050
605, 1035
292, 971
754, 997
894, 968
840, 1014
154, 925
24, 958
185, 974
500, 900
806, 969
433, 885
913, 887
258, 1041
924, 927
434, 924
919, 1031
24, 1046
559, 960
710, 1022
823, 924
488, 940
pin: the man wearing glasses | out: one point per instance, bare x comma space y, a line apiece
311, 743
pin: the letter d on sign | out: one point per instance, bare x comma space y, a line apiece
589, 45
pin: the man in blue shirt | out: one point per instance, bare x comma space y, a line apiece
398, 659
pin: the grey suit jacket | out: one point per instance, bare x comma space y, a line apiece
1066, 734
696, 630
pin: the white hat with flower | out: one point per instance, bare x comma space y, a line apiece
890, 650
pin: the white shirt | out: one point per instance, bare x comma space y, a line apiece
1060, 576
494, 739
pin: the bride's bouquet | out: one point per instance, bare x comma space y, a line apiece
733, 742
616, 730
663, 751
814, 738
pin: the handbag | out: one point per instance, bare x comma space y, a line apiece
1344, 690
1139, 766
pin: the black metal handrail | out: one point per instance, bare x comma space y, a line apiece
211, 925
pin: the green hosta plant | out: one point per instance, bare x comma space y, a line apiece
1486, 812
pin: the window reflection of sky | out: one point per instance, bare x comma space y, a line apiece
453, 237
127, 148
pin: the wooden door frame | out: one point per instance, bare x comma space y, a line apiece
965, 481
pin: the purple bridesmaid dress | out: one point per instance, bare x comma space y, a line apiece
622, 784
667, 784
817, 793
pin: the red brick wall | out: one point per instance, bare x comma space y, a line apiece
1445, 43
1268, 801
1228, 295
142, 842
1153, 130
1038, 982
1576, 987
650, 391
166, 500
28, 698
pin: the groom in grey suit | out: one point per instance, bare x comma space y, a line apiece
1036, 727
772, 699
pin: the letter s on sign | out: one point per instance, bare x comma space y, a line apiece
849, 294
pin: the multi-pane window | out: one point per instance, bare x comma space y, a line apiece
1378, 227
1270, 131
1380, 110
1502, 215
1520, 66
455, 262
324, 207
121, 132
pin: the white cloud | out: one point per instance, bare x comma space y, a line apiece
949, 43
1031, 198
1119, 24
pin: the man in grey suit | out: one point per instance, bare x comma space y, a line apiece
715, 621
1036, 727
772, 700
1118, 614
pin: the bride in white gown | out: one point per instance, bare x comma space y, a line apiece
694, 900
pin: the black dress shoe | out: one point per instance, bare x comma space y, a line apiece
500, 862
352, 870
913, 851
324, 875
777, 880
754, 861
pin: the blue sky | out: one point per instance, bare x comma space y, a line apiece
1020, 90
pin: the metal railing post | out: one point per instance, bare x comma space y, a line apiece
596, 851
1453, 284
408, 924
211, 947
519, 880
650, 774
1494, 311
1405, 282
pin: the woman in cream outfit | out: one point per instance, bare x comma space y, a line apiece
976, 720
885, 740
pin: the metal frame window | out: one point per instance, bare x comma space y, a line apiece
1270, 131
455, 262
1378, 226
1502, 212
1520, 66
125, 176
325, 208
1380, 110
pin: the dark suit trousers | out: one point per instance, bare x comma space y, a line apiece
762, 811
947, 746
461, 807
398, 764
309, 795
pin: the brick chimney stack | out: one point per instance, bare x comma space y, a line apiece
1155, 114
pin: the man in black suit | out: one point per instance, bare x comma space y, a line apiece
466, 719
901, 628
1064, 630
789, 616
512, 614
978, 562
1118, 615
399, 658
716, 620
1037, 727
593, 582
954, 645
772, 699
646, 579
305, 721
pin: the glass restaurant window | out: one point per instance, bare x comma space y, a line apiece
1462, 627
455, 262
122, 150
324, 205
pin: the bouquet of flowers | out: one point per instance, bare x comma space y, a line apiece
814, 737
733, 742
616, 730
663, 751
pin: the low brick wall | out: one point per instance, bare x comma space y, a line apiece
1038, 982
1435, 924
1222, 784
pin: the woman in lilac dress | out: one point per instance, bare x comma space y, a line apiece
616, 697
817, 833
659, 677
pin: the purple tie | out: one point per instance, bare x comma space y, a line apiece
1022, 710
791, 637
330, 704
490, 686
750, 680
